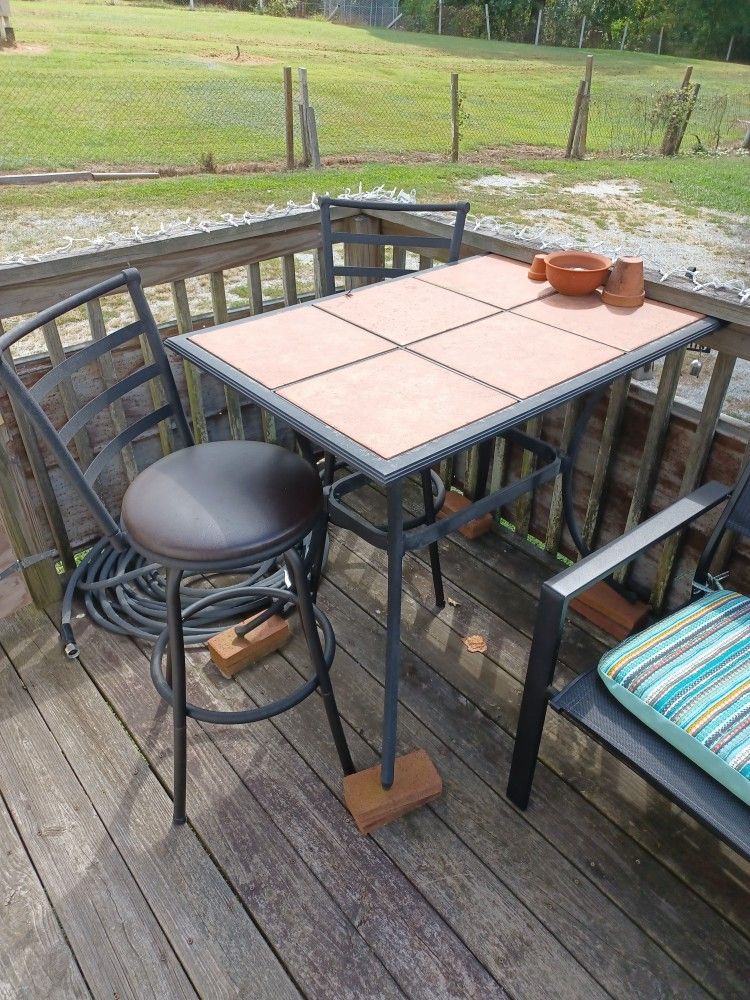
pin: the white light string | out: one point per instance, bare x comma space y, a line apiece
538, 238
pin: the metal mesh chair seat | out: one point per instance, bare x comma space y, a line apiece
588, 704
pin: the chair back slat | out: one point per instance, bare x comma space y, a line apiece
417, 242
105, 399
82, 357
156, 369
131, 432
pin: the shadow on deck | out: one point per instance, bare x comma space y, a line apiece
600, 888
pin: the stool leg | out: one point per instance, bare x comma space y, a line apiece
177, 662
429, 509
297, 570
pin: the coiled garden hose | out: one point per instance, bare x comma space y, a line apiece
125, 594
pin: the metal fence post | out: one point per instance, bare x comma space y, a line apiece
454, 117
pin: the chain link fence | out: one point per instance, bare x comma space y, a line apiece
234, 114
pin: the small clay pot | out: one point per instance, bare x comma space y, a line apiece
538, 269
573, 272
624, 287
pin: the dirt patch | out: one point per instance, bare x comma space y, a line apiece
236, 57
22, 49
507, 182
606, 189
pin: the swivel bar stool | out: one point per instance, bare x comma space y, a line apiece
207, 508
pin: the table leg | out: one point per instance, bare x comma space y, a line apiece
395, 550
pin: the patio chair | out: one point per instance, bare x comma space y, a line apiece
433, 489
203, 509
673, 701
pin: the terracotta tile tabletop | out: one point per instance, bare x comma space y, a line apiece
405, 311
394, 366
516, 354
500, 282
395, 401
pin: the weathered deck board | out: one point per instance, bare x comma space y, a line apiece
214, 938
658, 903
117, 941
321, 949
482, 571
600, 888
35, 957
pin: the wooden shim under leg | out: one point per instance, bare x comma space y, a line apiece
416, 782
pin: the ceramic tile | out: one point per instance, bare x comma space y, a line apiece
497, 280
289, 345
516, 354
395, 402
626, 329
406, 310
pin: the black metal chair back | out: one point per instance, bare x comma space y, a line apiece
735, 516
418, 241
28, 402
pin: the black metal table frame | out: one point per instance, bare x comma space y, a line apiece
398, 539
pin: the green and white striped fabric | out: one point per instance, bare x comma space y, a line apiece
688, 678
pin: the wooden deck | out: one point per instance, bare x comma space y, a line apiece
600, 889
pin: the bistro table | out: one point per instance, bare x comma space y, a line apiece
396, 376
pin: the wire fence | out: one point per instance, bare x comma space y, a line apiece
234, 114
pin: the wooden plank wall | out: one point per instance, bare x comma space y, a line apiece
640, 451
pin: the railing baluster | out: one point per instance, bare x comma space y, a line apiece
700, 449
192, 375
289, 279
556, 520
255, 294
654, 445
68, 394
219, 304
522, 510
618, 399
98, 330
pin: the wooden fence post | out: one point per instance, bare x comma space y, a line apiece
312, 138
675, 130
289, 117
579, 143
574, 121
304, 101
454, 117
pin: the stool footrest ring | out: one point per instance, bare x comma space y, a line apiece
253, 714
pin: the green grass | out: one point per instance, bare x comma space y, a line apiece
691, 184
116, 83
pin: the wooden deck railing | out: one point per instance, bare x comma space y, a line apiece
642, 450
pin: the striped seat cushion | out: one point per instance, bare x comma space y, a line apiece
688, 678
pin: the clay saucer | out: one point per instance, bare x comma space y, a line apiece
573, 272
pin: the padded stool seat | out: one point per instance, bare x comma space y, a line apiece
221, 503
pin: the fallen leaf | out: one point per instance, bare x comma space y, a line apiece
475, 644
453, 603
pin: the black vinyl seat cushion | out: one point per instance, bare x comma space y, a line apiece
222, 502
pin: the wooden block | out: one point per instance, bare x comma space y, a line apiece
416, 782
474, 529
232, 653
610, 611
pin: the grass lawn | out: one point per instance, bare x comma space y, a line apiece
101, 83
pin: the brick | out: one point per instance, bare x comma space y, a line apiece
232, 653
416, 782
474, 529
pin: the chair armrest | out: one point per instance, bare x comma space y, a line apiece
605, 561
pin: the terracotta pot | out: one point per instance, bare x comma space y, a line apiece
573, 272
625, 285
538, 269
